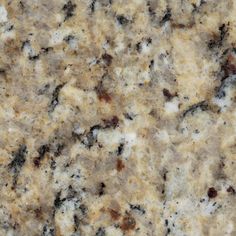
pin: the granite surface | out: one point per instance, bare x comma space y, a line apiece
117, 117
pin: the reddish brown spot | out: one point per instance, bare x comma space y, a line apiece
102, 209
179, 26
114, 214
120, 165
38, 212
229, 67
128, 223
107, 59
102, 94
37, 162
182, 26
230, 189
212, 193
113, 122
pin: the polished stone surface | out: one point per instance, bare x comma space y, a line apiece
117, 117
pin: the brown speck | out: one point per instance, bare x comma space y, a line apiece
230, 189
167, 94
102, 94
37, 162
112, 123
102, 209
212, 193
128, 223
153, 113
178, 26
182, 26
229, 67
38, 212
120, 165
107, 59
114, 214
2, 71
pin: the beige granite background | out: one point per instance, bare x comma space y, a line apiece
117, 117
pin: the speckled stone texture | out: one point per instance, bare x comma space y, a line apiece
117, 118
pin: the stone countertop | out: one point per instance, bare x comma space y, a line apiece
117, 117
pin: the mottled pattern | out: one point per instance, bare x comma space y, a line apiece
117, 117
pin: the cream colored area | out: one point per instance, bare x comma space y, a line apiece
110, 88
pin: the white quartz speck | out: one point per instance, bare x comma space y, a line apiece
3, 14
172, 107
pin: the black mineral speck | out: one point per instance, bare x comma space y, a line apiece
227, 82
10, 28
166, 17
107, 59
92, 5
100, 232
151, 11
120, 149
203, 106
24, 44
151, 65
217, 41
44, 89
59, 148
43, 150
48, 231
76, 222
139, 47
90, 137
122, 20
166, 222
128, 116
53, 165
55, 99
34, 57
137, 208
69, 9
2, 71
101, 188
223, 31
21, 4
83, 209
165, 175
19, 158
47, 49
68, 38
58, 201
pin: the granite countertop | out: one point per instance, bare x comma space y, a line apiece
117, 118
